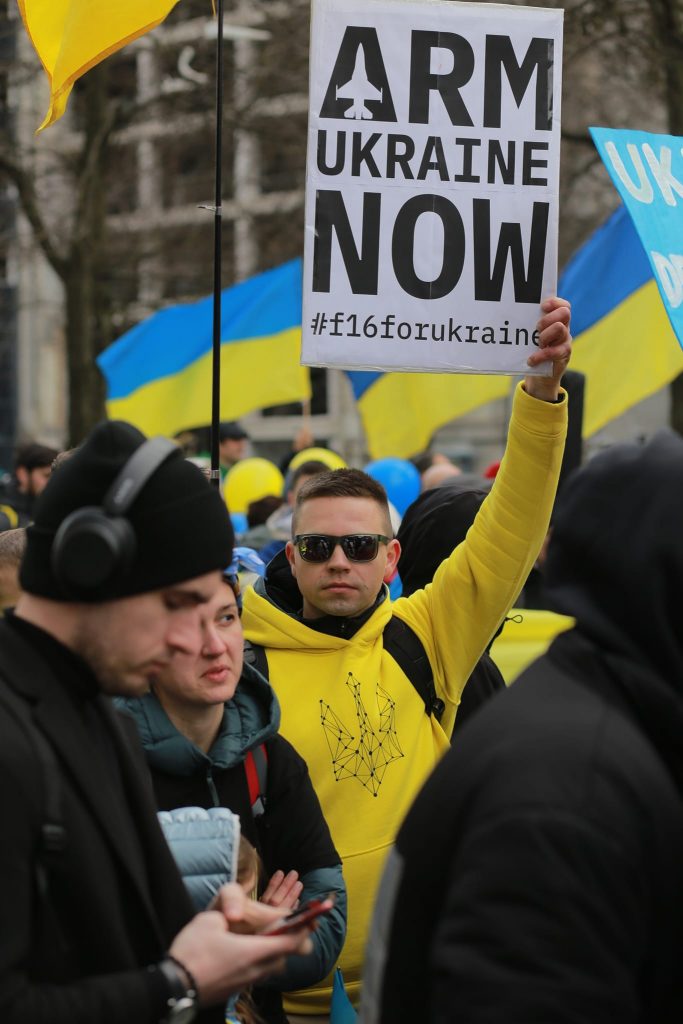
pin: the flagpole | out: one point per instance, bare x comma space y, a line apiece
217, 255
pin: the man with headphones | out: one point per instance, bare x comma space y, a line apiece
125, 552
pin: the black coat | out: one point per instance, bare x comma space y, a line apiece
539, 875
79, 953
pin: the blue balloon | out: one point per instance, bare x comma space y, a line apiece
239, 522
399, 478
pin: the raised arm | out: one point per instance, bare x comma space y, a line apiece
473, 589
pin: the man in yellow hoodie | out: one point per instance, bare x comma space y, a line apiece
320, 616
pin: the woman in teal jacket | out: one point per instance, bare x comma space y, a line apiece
209, 730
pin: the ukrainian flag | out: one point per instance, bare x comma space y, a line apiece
623, 339
401, 411
159, 373
71, 36
623, 343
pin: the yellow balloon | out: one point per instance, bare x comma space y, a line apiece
330, 458
251, 479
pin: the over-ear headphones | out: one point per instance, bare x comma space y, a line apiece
96, 545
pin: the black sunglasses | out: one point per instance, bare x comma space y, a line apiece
358, 547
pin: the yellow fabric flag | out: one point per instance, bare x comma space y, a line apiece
401, 411
71, 36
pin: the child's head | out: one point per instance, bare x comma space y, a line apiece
249, 872
248, 867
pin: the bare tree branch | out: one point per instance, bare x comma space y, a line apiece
23, 180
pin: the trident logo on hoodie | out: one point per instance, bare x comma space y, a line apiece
369, 757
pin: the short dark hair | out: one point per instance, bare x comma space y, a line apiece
422, 461
311, 468
34, 456
231, 430
343, 483
258, 511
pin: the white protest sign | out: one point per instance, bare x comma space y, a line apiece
432, 184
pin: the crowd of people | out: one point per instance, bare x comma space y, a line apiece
203, 734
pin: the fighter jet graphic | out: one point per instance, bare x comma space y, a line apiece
359, 89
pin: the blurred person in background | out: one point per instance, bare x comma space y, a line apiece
18, 493
432, 527
279, 523
232, 444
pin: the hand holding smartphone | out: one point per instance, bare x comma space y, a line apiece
304, 915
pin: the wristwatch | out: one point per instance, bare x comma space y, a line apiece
182, 1003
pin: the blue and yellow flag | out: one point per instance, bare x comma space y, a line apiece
159, 373
623, 340
71, 36
401, 411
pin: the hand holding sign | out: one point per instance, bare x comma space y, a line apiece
554, 345
432, 185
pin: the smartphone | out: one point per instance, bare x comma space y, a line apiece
301, 916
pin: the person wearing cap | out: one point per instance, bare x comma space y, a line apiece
324, 619
232, 444
96, 923
538, 875
19, 493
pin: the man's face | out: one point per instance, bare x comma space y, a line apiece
211, 677
32, 481
232, 450
339, 586
128, 642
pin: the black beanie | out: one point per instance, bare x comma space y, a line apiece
181, 525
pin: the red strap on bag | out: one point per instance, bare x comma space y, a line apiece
256, 768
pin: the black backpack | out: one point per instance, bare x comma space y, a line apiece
404, 646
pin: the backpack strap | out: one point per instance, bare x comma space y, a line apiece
256, 769
405, 647
256, 761
255, 655
407, 650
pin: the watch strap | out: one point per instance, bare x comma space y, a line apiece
182, 989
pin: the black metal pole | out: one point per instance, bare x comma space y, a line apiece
217, 238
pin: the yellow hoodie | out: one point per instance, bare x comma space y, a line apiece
349, 709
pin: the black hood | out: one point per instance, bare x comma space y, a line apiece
433, 526
615, 563
279, 586
615, 559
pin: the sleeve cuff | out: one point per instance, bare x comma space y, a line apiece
537, 415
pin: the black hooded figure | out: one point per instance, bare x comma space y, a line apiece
432, 527
539, 874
